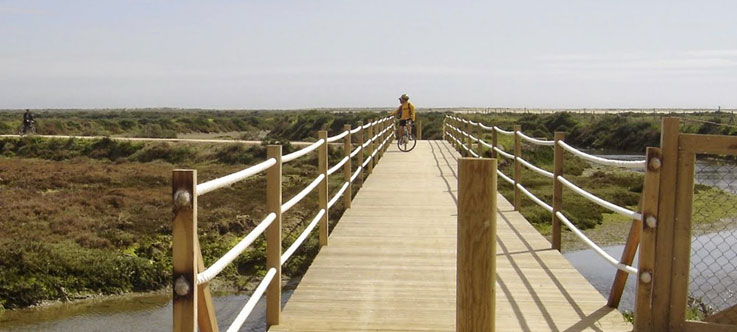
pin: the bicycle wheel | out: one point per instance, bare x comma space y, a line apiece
407, 142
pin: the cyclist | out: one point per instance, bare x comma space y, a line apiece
406, 113
27, 120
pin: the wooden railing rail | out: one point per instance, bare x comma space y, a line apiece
192, 307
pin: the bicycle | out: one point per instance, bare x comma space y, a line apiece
27, 130
407, 140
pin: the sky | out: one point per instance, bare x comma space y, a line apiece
350, 53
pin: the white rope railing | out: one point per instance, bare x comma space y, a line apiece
534, 198
302, 152
603, 161
204, 188
338, 165
608, 205
611, 260
503, 132
215, 269
251, 303
338, 194
535, 140
464, 146
356, 151
486, 144
356, 130
302, 194
298, 242
535, 169
337, 137
503, 154
356, 173
485, 127
506, 178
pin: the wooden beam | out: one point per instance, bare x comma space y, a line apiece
517, 167
711, 144
476, 263
726, 316
347, 148
558, 161
360, 154
628, 256
682, 240
184, 255
322, 188
206, 319
273, 234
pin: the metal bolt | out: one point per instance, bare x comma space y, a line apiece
655, 163
182, 198
651, 221
646, 277
181, 286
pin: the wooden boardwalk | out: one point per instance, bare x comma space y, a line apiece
391, 260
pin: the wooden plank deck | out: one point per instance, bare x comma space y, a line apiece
390, 264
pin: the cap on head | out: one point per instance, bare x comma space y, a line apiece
404, 97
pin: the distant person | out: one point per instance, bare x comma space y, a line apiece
406, 113
27, 121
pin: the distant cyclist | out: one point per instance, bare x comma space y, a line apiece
27, 121
406, 113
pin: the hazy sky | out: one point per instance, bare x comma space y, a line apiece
350, 53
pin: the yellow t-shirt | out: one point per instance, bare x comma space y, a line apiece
407, 111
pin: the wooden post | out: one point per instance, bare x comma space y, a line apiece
666, 220
206, 319
444, 125
558, 159
493, 142
360, 154
628, 256
476, 263
517, 167
273, 234
470, 140
370, 150
419, 130
184, 247
478, 135
347, 167
651, 187
322, 188
682, 240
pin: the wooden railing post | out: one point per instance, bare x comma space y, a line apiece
419, 130
322, 188
558, 160
347, 148
184, 250
273, 234
478, 135
444, 124
476, 263
370, 150
206, 319
470, 140
517, 167
666, 221
360, 154
493, 142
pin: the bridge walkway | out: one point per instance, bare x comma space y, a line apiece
391, 261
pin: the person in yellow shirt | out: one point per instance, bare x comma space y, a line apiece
406, 113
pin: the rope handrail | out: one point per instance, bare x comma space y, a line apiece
603, 161
302, 194
302, 152
217, 267
251, 303
356, 130
356, 151
464, 146
485, 127
206, 187
338, 165
486, 144
603, 203
611, 260
338, 194
535, 140
356, 173
503, 154
337, 137
298, 242
506, 178
503, 132
366, 162
534, 198
535, 169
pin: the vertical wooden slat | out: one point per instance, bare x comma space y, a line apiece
273, 234
476, 263
206, 319
646, 260
322, 188
666, 219
682, 240
478, 135
360, 154
184, 245
628, 256
469, 141
558, 161
370, 150
493, 143
347, 148
517, 167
